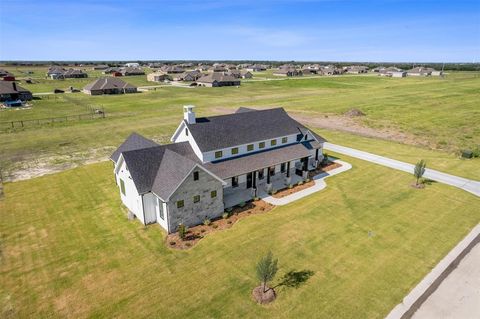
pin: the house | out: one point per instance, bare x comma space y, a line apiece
189, 76
109, 85
111, 70
309, 71
218, 68
392, 72
212, 164
10, 91
256, 68
55, 72
288, 71
100, 67
128, 71
245, 74
217, 79
437, 73
420, 71
132, 65
4, 73
172, 69
356, 69
330, 70
158, 76
74, 74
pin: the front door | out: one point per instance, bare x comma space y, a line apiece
249, 180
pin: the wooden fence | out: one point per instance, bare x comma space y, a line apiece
19, 124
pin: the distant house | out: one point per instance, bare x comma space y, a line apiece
158, 76
437, 73
420, 71
330, 70
132, 65
100, 67
256, 68
55, 72
109, 85
288, 71
128, 71
218, 79
246, 75
356, 69
309, 71
10, 91
4, 73
111, 70
116, 74
74, 73
189, 76
172, 69
218, 68
391, 72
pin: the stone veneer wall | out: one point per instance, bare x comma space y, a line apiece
191, 213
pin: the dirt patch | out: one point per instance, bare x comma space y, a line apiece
418, 186
354, 112
345, 123
194, 234
48, 164
263, 297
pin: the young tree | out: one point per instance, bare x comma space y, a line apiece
266, 269
182, 231
419, 170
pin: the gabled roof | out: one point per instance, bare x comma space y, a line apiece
217, 132
217, 76
133, 142
10, 87
108, 83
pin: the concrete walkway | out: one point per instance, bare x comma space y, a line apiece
319, 185
468, 185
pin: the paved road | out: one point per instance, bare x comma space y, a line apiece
468, 185
458, 296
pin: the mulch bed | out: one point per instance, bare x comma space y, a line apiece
323, 169
263, 297
294, 189
198, 232
419, 186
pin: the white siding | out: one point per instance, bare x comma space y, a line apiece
242, 149
132, 200
181, 136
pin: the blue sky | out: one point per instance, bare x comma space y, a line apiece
302, 30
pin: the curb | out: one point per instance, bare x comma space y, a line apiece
430, 283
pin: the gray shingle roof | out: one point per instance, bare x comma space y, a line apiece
252, 162
133, 142
108, 83
217, 76
216, 132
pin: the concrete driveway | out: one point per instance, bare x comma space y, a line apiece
458, 296
468, 185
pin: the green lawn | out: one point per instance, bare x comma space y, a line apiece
443, 111
69, 251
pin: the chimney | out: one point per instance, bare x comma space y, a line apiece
14, 86
189, 114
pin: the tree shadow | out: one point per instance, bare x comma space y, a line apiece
294, 279
427, 181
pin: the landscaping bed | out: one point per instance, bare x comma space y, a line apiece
194, 234
323, 169
294, 189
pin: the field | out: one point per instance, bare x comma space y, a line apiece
441, 115
69, 251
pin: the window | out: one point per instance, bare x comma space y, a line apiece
195, 176
272, 170
284, 140
160, 209
282, 168
186, 131
218, 154
235, 181
196, 198
273, 142
180, 203
306, 136
213, 194
261, 145
299, 137
234, 150
250, 147
261, 174
122, 186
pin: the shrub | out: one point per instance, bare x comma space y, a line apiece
476, 152
242, 204
207, 222
256, 199
467, 153
182, 231
229, 209
215, 226
225, 215
202, 230
188, 244
300, 183
325, 159
229, 222
172, 243
290, 186
274, 191
419, 170
307, 180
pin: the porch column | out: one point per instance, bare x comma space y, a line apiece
268, 175
254, 179
316, 154
288, 169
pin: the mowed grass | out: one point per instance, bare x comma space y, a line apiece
69, 251
443, 111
